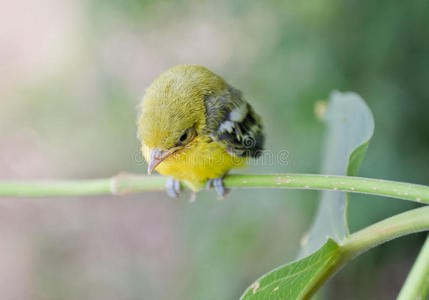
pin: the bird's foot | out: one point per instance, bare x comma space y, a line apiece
217, 183
173, 187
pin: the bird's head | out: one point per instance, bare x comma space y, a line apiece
173, 111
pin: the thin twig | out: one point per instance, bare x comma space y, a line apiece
125, 183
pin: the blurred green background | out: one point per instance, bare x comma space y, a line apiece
72, 74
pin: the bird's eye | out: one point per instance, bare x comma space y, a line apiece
187, 136
184, 136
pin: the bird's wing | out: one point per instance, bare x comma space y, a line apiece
232, 122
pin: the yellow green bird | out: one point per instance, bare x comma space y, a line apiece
195, 127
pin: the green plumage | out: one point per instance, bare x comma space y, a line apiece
195, 127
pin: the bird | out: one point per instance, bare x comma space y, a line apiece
194, 128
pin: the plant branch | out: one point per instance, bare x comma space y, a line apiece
417, 284
131, 183
412, 221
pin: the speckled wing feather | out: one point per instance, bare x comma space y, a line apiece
232, 121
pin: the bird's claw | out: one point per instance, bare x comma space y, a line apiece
217, 183
173, 187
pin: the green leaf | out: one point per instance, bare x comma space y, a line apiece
300, 279
350, 126
296, 280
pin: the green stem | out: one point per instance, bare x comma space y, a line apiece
129, 183
412, 221
52, 188
417, 284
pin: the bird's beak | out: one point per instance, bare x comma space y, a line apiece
157, 156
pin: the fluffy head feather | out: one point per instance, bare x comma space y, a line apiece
175, 102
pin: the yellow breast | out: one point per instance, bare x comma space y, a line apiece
199, 161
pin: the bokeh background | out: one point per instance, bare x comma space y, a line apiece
71, 76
